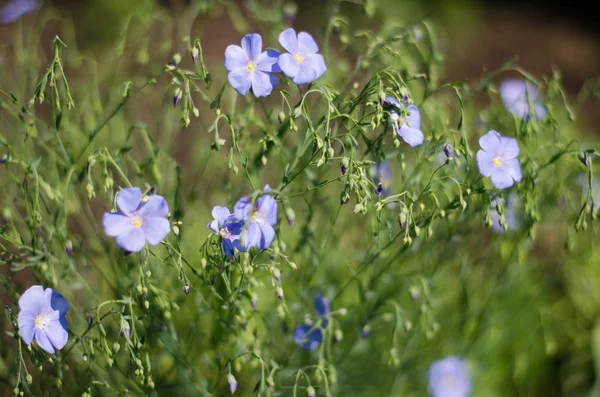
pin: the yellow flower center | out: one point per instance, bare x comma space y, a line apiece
498, 161
38, 321
298, 57
137, 221
251, 66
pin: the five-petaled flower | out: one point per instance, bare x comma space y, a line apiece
310, 336
138, 220
410, 130
229, 228
449, 378
517, 94
249, 66
498, 159
42, 317
302, 63
259, 220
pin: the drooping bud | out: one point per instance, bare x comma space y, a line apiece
291, 216
177, 97
345, 162
186, 289
279, 292
3, 158
69, 248
276, 274
253, 300
232, 383
379, 188
290, 10
366, 330
212, 279
194, 54
310, 391
448, 151
584, 158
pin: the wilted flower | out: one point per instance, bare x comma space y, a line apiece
249, 67
229, 228
498, 159
302, 64
308, 336
42, 317
259, 219
15, 9
449, 378
517, 94
410, 130
138, 221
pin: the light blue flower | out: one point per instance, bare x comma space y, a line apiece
309, 336
15, 9
137, 222
250, 67
410, 130
498, 159
259, 220
302, 63
449, 378
516, 95
42, 317
229, 228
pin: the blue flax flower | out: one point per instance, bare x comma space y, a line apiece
259, 220
250, 67
229, 228
15, 9
42, 317
498, 159
449, 378
138, 221
516, 95
410, 130
302, 63
308, 336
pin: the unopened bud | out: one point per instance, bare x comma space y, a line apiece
279, 292
584, 158
291, 215
186, 289
177, 97
281, 117
194, 54
276, 274
232, 383
310, 391
69, 248
366, 331
448, 151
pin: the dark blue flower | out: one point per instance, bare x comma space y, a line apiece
302, 63
250, 67
229, 228
259, 220
138, 221
42, 317
310, 336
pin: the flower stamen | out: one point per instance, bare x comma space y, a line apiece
251, 66
498, 161
299, 57
137, 221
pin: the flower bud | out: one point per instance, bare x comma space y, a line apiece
448, 151
177, 97
3, 158
281, 117
279, 292
584, 158
186, 289
232, 383
310, 391
379, 188
69, 248
330, 152
366, 331
194, 54
291, 216
276, 274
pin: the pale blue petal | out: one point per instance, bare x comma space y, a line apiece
412, 136
288, 65
319, 65
156, 229
307, 71
490, 142
240, 80
116, 224
34, 300
220, 214
128, 199
133, 240
26, 322
252, 236
263, 83
15, 9
485, 163
242, 209
155, 207
213, 225
501, 179
266, 209
512, 91
252, 45
267, 61
510, 148
43, 341
306, 43
513, 168
449, 378
57, 334
288, 40
414, 117
540, 111
235, 57
321, 305
267, 235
